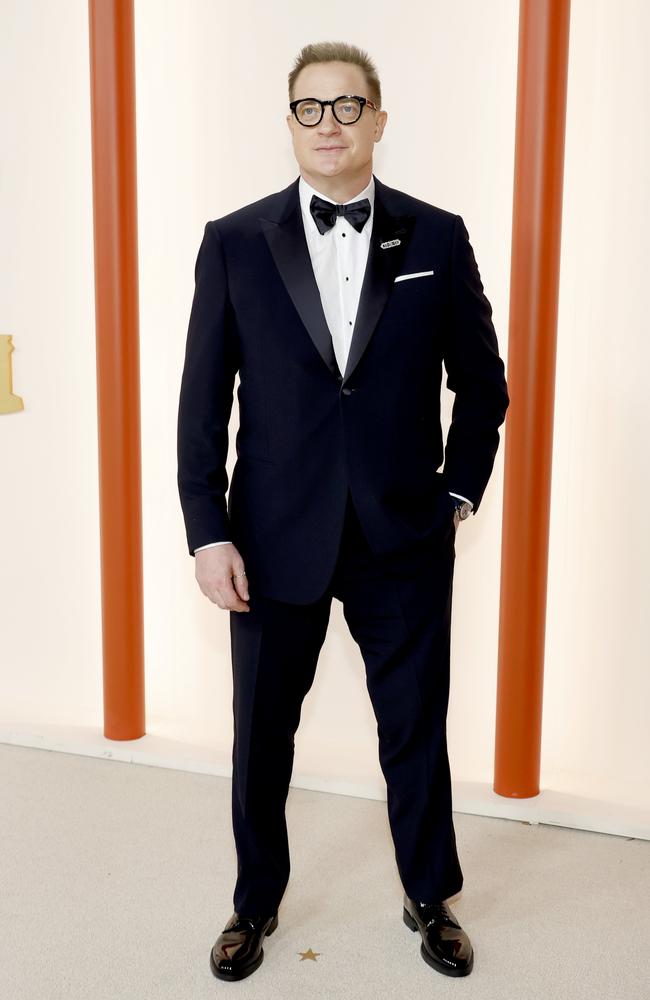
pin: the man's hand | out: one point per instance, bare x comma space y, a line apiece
220, 574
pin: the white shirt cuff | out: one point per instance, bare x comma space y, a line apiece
459, 497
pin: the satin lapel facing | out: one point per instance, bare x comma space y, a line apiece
381, 270
288, 245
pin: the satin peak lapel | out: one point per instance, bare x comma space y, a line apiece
388, 243
288, 245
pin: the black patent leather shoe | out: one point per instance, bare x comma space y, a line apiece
238, 950
445, 945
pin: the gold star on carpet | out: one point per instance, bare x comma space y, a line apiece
309, 954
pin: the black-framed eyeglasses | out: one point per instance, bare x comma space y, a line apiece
346, 109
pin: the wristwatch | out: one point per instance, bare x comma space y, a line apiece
463, 507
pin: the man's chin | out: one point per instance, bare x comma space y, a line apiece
328, 168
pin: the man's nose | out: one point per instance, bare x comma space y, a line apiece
328, 122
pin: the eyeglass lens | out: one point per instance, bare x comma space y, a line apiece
346, 110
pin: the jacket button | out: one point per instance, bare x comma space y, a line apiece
346, 392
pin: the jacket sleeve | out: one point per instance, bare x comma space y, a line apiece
206, 397
475, 373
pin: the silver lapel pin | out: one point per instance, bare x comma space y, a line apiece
390, 243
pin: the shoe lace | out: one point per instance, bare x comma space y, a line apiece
437, 913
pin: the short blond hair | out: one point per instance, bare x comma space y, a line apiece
320, 52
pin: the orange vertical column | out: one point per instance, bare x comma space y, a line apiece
536, 228
112, 88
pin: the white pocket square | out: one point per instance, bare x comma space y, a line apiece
415, 274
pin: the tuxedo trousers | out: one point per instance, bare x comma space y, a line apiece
400, 617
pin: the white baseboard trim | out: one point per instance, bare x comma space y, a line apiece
475, 798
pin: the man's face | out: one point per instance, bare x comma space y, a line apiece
329, 149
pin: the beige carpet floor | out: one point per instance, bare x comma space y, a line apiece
115, 880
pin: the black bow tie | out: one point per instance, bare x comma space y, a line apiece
325, 213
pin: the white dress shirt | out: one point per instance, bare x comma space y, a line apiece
338, 258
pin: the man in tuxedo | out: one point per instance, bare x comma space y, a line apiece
337, 300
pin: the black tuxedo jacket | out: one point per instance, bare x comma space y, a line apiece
309, 433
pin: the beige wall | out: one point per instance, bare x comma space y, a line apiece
449, 78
